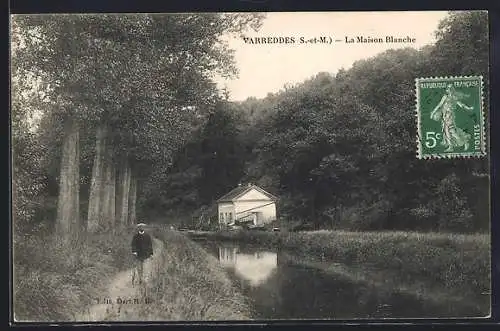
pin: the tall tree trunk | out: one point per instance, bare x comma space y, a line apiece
112, 194
97, 185
123, 189
68, 203
132, 199
108, 195
104, 208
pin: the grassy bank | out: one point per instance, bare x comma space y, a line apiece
189, 284
53, 281
452, 261
56, 282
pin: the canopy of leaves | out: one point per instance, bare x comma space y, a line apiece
131, 72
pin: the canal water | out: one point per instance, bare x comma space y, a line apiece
280, 285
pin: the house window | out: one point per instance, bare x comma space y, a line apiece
230, 216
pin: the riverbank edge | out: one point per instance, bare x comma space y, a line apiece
453, 265
192, 285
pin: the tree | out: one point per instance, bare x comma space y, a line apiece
209, 165
222, 155
451, 207
462, 36
28, 178
309, 144
133, 74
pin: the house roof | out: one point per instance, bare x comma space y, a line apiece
243, 189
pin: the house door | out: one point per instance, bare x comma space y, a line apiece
259, 217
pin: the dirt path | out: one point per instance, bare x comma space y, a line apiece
124, 302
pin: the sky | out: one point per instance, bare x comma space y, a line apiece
265, 68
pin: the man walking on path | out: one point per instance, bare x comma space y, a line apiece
142, 248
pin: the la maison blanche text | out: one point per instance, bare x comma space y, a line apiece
328, 40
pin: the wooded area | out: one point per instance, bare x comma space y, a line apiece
116, 96
133, 125
340, 149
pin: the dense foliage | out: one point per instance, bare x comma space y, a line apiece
340, 150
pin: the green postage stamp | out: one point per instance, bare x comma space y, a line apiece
450, 117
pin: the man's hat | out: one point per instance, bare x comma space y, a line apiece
141, 225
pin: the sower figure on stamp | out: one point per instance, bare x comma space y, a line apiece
142, 248
453, 136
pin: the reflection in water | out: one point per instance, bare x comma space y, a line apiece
227, 255
283, 286
255, 267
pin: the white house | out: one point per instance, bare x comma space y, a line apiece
247, 203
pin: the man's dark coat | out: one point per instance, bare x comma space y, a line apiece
142, 245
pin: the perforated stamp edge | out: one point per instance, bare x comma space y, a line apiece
470, 155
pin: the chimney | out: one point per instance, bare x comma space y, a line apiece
239, 184
249, 184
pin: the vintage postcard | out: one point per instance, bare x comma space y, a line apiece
250, 166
